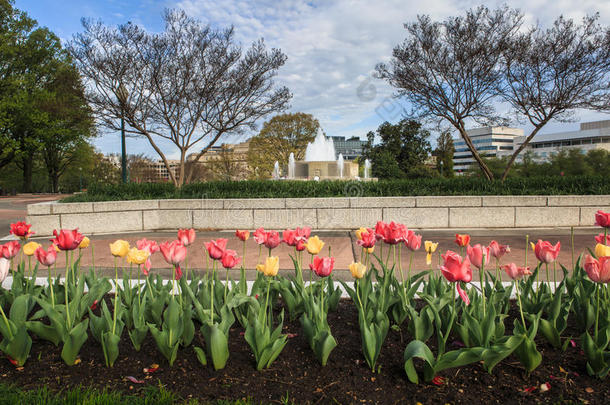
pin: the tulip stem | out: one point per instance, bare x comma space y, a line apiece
481, 274
596, 311
212, 292
266, 302
93, 259
520, 306
8, 327
66, 294
116, 296
51, 286
572, 244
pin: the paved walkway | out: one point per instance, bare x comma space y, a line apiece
13, 208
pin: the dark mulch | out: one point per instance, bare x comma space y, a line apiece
297, 375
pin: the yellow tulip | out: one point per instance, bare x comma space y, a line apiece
56, 248
370, 250
136, 256
359, 233
84, 243
119, 248
314, 245
30, 247
271, 266
430, 248
600, 250
357, 269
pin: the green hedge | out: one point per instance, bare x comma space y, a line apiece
296, 189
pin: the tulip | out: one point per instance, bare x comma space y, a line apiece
394, 233
358, 270
413, 241
46, 257
84, 244
456, 269
602, 219
360, 231
174, 253
367, 238
10, 249
5, 265
272, 240
137, 256
289, 237
322, 266
21, 230
67, 239
260, 236
515, 272
119, 248
271, 266
230, 259
475, 255
304, 232
186, 236
598, 270
151, 247
30, 248
301, 245
314, 245
545, 251
242, 235
603, 239
216, 248
602, 250
497, 250
380, 229
430, 248
462, 239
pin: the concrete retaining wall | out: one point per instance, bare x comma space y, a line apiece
459, 212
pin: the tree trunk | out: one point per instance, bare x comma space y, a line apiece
520, 149
475, 154
27, 163
55, 183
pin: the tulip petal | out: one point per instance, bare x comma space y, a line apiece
462, 294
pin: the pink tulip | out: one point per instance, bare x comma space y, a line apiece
394, 233
151, 247
322, 266
602, 219
186, 236
598, 270
272, 240
475, 255
289, 237
545, 252
456, 269
46, 257
304, 233
380, 231
497, 250
5, 266
67, 239
216, 248
367, 239
230, 259
515, 272
260, 236
10, 249
413, 241
174, 253
600, 239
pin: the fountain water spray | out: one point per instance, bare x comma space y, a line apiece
291, 166
322, 149
340, 165
367, 168
276, 170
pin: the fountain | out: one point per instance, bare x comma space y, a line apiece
340, 165
367, 169
291, 166
276, 170
322, 149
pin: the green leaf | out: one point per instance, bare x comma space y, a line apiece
200, 355
416, 349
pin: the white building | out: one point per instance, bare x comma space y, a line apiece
591, 135
489, 142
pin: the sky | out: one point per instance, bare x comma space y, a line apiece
332, 47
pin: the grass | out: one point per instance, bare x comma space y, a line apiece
546, 185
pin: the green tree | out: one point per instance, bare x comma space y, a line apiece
444, 154
280, 136
401, 152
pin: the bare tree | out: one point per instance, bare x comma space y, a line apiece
451, 70
549, 73
190, 84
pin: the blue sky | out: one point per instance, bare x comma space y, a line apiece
332, 46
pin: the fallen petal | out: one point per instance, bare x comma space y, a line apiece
530, 389
589, 390
438, 380
134, 380
572, 342
152, 368
291, 335
545, 387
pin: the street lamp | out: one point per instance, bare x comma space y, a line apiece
80, 179
122, 95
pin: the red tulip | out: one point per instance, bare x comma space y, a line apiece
497, 250
10, 249
598, 270
456, 269
602, 219
230, 259
380, 227
301, 245
46, 257
67, 239
545, 252
413, 241
304, 233
289, 237
394, 233
186, 236
475, 255
174, 253
322, 266
272, 240
600, 239
462, 240
367, 239
515, 272
242, 235
216, 248
151, 247
21, 230
260, 236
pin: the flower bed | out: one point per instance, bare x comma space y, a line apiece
424, 336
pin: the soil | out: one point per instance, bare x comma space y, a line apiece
297, 375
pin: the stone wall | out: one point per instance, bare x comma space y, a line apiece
458, 212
